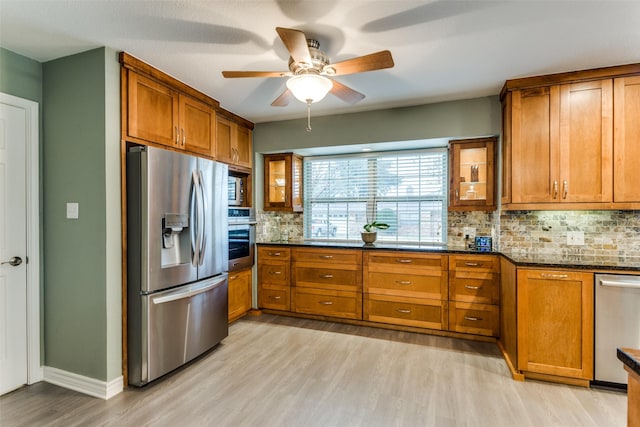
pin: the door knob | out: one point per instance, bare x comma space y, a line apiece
14, 261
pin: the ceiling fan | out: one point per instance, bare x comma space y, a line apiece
309, 69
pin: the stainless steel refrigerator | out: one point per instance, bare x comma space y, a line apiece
177, 258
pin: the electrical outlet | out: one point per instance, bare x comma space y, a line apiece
575, 238
469, 231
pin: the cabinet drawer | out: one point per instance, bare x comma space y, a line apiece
474, 263
408, 285
347, 305
479, 319
398, 262
422, 313
328, 256
276, 273
274, 253
326, 278
477, 287
276, 298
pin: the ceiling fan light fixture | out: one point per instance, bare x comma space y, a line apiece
309, 88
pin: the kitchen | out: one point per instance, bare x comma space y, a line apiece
479, 116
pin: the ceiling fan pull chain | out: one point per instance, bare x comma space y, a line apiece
308, 115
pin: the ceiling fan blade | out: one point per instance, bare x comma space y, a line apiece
235, 74
283, 100
375, 61
345, 93
296, 43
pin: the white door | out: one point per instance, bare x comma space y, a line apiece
14, 134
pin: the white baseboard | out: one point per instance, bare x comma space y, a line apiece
91, 386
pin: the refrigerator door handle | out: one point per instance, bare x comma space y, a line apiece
190, 291
196, 218
202, 219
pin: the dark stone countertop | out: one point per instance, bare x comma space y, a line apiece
631, 358
528, 259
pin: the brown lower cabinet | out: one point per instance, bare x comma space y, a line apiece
274, 278
239, 294
327, 282
555, 324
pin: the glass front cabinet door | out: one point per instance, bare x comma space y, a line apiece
283, 182
472, 172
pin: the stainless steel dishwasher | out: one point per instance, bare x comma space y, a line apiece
617, 324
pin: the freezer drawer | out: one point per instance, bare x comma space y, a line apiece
179, 325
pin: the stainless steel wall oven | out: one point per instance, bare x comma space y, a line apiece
242, 223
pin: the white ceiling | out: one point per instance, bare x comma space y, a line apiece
443, 50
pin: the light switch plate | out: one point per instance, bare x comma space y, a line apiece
73, 210
575, 238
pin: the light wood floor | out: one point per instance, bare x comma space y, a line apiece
278, 371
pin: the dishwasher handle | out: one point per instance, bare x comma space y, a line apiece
620, 283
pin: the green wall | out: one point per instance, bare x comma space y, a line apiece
78, 293
20, 76
465, 118
454, 119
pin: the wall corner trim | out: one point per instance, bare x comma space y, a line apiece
80, 383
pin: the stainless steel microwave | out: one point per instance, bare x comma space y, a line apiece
236, 191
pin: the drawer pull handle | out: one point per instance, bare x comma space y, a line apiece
275, 273
274, 254
327, 276
475, 288
554, 276
471, 264
233, 277
403, 282
326, 256
276, 298
403, 311
325, 302
472, 319
405, 261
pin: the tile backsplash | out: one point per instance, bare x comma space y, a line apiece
606, 233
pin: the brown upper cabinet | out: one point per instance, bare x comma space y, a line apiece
560, 150
233, 142
472, 174
283, 182
159, 109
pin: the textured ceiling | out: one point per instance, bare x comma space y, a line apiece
443, 50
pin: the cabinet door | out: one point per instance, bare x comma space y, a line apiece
239, 293
197, 124
534, 145
224, 130
472, 174
586, 142
626, 186
152, 111
243, 146
555, 322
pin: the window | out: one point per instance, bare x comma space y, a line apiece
407, 190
